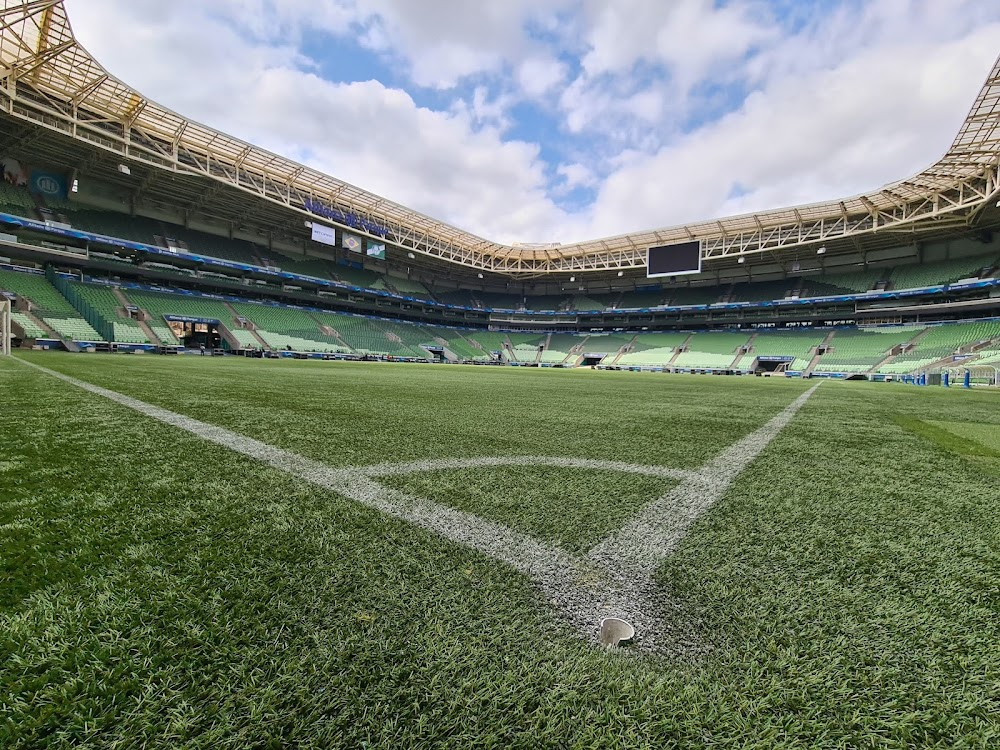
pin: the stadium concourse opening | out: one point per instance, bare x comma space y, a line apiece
195, 333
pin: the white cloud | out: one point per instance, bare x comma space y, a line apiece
453, 165
867, 92
538, 75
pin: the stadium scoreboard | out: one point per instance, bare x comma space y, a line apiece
673, 260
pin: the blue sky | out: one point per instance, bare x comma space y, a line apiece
556, 120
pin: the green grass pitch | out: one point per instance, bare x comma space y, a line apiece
160, 591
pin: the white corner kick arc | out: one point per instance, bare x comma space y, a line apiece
614, 580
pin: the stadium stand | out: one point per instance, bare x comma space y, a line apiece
351, 276
31, 330
16, 201
765, 291
501, 301
459, 298
639, 300
933, 274
843, 283
559, 346
711, 350
491, 341
104, 313
409, 287
651, 350
783, 344
692, 296
593, 302
287, 328
858, 351
49, 305
455, 342
940, 342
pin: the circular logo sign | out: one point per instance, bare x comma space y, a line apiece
47, 185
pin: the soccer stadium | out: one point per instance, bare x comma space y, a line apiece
287, 464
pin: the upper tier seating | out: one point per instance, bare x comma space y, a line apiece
501, 301
932, 274
696, 295
639, 300
590, 302
842, 283
459, 298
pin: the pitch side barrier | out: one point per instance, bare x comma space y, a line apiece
62, 231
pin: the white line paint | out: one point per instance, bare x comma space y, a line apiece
615, 580
657, 529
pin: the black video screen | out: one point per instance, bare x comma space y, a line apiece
673, 260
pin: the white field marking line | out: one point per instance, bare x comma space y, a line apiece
386, 470
574, 585
584, 590
653, 534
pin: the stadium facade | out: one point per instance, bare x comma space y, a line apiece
107, 191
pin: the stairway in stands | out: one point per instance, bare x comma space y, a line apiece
894, 353
816, 355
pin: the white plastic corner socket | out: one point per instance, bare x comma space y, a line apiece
614, 632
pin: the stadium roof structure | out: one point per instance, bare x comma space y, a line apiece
50, 81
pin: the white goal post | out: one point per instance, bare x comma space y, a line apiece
5, 327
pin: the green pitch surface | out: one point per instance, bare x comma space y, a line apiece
161, 591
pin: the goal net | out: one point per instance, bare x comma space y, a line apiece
4, 327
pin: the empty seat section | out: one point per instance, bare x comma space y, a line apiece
921, 275
351, 276
765, 291
31, 330
109, 313
559, 347
784, 344
159, 304
633, 300
692, 296
455, 342
459, 298
940, 342
590, 302
489, 340
304, 265
409, 287
287, 328
861, 350
712, 350
653, 349
501, 301
852, 282
49, 305
361, 334
16, 201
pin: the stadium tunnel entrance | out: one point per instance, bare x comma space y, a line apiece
772, 364
195, 333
